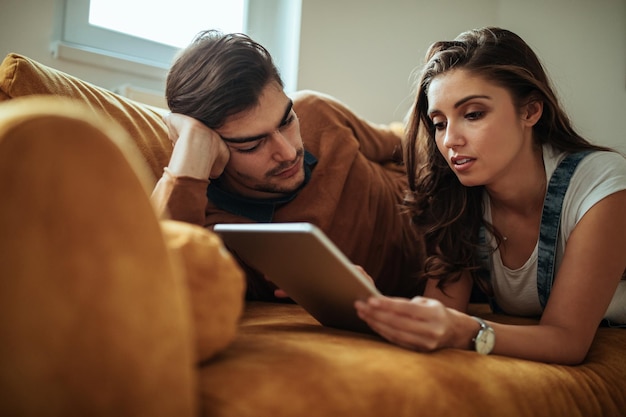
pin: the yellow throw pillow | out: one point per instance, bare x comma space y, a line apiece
215, 282
22, 76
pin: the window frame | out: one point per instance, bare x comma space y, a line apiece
273, 23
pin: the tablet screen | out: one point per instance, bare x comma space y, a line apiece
300, 259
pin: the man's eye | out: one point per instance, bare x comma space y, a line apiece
248, 150
288, 121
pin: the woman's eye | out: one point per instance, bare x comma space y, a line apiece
439, 125
474, 115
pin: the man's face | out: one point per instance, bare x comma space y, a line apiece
266, 149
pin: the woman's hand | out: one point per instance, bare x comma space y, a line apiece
422, 324
365, 274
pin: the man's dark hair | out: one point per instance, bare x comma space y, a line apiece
219, 75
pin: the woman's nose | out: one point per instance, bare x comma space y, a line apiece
452, 137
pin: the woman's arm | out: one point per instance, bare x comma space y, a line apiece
592, 266
433, 321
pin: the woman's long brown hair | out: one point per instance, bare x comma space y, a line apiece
450, 213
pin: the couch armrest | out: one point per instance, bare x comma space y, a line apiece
94, 316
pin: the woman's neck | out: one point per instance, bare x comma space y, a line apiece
523, 190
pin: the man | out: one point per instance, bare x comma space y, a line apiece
246, 152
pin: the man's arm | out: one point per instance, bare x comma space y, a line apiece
318, 112
199, 154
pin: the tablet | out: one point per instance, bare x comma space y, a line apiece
300, 259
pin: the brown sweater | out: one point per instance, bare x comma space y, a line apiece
353, 195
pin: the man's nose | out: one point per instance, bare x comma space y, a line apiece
282, 148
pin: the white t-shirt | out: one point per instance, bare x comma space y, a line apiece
597, 176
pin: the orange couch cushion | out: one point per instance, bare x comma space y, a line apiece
22, 76
94, 311
284, 363
215, 281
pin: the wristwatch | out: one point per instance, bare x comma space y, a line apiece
485, 339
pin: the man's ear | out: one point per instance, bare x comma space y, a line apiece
532, 112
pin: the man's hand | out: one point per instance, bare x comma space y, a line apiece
199, 152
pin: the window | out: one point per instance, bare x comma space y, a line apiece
172, 26
143, 36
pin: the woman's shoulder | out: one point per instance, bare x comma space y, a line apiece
601, 170
595, 163
604, 164
597, 176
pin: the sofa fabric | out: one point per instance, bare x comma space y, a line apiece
215, 282
22, 76
95, 318
284, 363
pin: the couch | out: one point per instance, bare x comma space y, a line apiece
108, 310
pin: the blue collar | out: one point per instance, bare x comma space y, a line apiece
259, 210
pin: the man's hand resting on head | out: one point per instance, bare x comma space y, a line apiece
199, 152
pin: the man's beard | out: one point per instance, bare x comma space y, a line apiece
284, 165
277, 188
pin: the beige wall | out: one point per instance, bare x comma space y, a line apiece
364, 51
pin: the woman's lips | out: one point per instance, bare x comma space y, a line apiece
462, 163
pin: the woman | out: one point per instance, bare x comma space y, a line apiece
491, 133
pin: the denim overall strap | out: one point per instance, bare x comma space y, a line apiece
550, 223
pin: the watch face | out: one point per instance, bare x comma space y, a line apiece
485, 341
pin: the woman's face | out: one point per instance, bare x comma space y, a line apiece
478, 129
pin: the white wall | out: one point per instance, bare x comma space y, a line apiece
364, 51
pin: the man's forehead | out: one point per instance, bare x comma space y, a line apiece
268, 115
